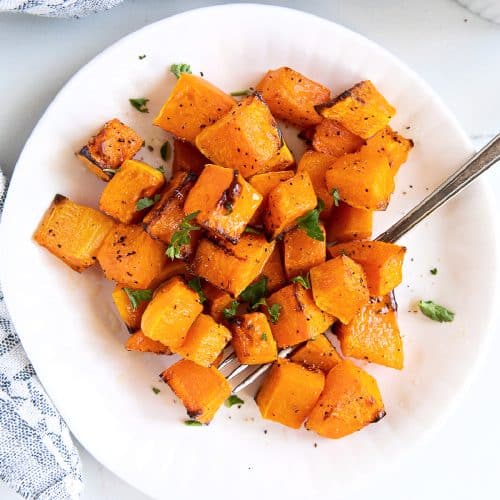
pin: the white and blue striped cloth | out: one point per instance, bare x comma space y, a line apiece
57, 8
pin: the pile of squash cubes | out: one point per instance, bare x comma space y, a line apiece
247, 245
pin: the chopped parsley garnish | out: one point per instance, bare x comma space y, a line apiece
435, 311
193, 423
181, 236
179, 68
302, 280
137, 296
231, 311
310, 222
142, 56
161, 168
233, 400
263, 336
155, 390
195, 284
336, 196
229, 207
274, 313
241, 93
255, 292
434, 271
146, 202
140, 104
252, 230
165, 151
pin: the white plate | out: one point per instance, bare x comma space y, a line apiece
71, 332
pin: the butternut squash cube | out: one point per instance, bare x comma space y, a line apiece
171, 312
131, 257
292, 96
331, 138
289, 393
134, 180
339, 287
204, 341
247, 139
217, 300
225, 202
252, 339
362, 180
350, 400
140, 343
172, 268
373, 334
349, 223
317, 354
287, 202
202, 390
301, 252
232, 267
130, 316
362, 109
381, 262
300, 319
72, 232
192, 105
105, 152
187, 158
274, 270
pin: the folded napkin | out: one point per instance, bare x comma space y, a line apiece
38, 458
57, 8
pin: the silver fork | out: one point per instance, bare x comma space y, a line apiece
473, 168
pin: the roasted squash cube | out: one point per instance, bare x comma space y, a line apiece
131, 257
317, 354
247, 139
274, 270
225, 202
381, 262
187, 158
333, 139
171, 312
289, 393
350, 400
287, 202
362, 109
252, 339
72, 232
301, 252
140, 343
300, 319
204, 341
106, 151
232, 267
192, 105
362, 180
339, 287
163, 221
373, 334
134, 180
129, 314
292, 96
202, 390
348, 223
217, 300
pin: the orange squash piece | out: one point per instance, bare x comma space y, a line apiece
225, 201
217, 300
350, 400
317, 354
362, 180
300, 319
171, 312
274, 270
287, 202
289, 393
202, 390
339, 287
292, 96
301, 252
247, 139
252, 339
204, 341
140, 343
382, 263
348, 223
133, 181
72, 232
130, 316
391, 144
187, 158
331, 138
172, 268
232, 267
192, 105
373, 334
105, 152
362, 109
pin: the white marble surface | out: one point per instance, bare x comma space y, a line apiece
455, 51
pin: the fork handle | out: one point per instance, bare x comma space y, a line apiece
478, 164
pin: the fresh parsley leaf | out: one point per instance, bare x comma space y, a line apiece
165, 151
263, 336
155, 390
252, 230
231, 311
137, 296
255, 292
179, 68
240, 93
233, 400
192, 423
310, 222
181, 236
142, 56
336, 196
435, 311
195, 284
161, 168
140, 104
434, 271
229, 207
146, 202
261, 302
302, 280
274, 313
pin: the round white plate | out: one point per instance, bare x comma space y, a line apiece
72, 334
